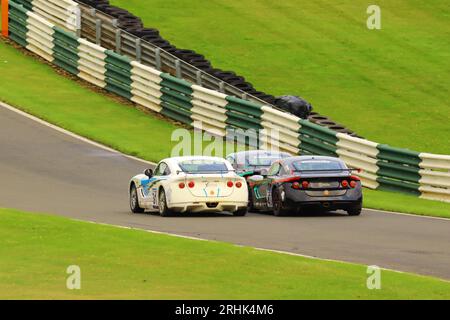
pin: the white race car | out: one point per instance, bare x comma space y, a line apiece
189, 184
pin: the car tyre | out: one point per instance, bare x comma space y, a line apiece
354, 211
164, 211
277, 202
241, 212
134, 200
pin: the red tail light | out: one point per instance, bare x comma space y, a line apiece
344, 183
182, 185
353, 184
296, 185
230, 184
238, 184
305, 184
191, 184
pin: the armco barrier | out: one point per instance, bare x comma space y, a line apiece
92, 65
280, 130
384, 167
65, 50
146, 88
315, 139
63, 13
362, 154
40, 36
18, 26
118, 74
176, 98
399, 169
435, 177
209, 110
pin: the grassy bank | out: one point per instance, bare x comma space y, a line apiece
39, 90
128, 264
376, 82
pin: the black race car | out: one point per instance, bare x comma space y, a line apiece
249, 163
296, 183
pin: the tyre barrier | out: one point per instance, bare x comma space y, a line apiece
126, 21
383, 166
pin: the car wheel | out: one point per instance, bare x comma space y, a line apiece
251, 207
277, 202
164, 211
134, 201
354, 211
241, 212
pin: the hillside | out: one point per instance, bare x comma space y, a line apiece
390, 86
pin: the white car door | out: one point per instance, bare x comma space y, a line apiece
151, 186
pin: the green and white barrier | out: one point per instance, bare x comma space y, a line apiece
118, 74
63, 13
176, 98
280, 130
362, 154
40, 36
146, 88
435, 177
383, 167
91, 63
243, 114
318, 140
65, 50
209, 109
18, 26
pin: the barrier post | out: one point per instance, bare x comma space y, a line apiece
5, 15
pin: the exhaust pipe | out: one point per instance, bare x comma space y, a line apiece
326, 204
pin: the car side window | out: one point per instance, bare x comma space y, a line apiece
274, 169
231, 160
161, 170
284, 171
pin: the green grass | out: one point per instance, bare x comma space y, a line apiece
392, 201
390, 86
39, 90
129, 264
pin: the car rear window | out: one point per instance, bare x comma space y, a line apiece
317, 165
203, 166
259, 159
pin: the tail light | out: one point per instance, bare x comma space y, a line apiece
182, 185
344, 184
238, 184
296, 185
305, 184
353, 184
191, 184
230, 184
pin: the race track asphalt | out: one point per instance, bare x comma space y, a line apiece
43, 170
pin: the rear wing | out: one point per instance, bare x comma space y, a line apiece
330, 170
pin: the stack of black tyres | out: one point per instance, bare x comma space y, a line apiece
134, 25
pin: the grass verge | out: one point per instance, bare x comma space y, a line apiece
38, 89
374, 81
130, 264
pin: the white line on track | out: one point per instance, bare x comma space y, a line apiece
71, 134
96, 144
99, 145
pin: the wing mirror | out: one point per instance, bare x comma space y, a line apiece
149, 173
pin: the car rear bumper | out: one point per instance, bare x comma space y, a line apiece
297, 199
208, 206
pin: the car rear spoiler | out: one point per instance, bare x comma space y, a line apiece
333, 170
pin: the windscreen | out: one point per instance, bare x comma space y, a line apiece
259, 159
316, 165
203, 166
